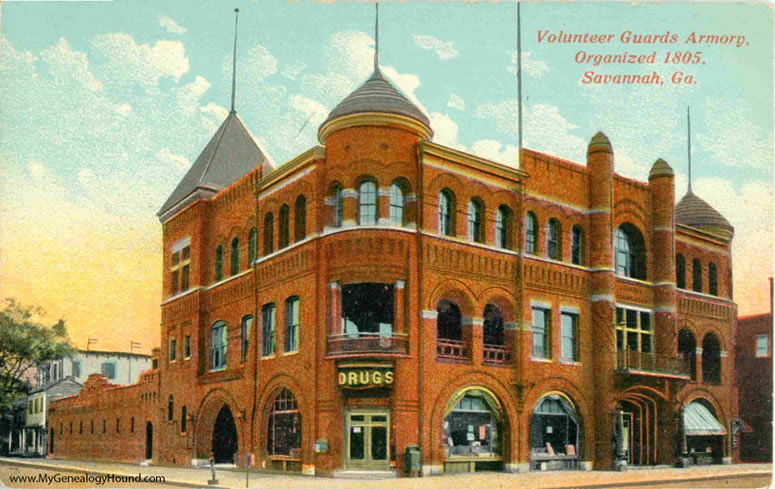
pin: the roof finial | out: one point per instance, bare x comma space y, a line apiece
689, 145
234, 61
376, 39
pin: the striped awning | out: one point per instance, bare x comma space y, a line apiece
699, 421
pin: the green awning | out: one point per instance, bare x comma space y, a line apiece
699, 421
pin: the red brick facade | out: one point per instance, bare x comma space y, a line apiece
508, 373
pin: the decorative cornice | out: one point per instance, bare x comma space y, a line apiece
481, 164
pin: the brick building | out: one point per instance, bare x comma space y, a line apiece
753, 363
381, 292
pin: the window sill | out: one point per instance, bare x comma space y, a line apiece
570, 363
291, 353
541, 360
268, 357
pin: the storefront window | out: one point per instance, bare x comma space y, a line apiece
473, 425
554, 430
284, 430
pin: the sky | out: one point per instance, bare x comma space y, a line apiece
105, 105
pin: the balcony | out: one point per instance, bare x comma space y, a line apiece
496, 355
357, 344
453, 350
640, 363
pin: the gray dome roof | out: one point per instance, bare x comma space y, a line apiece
695, 212
377, 94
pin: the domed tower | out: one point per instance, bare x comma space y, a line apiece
694, 212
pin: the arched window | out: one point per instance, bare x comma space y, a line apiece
218, 346
696, 275
531, 233
368, 203
170, 407
475, 221
630, 252
268, 233
219, 263
283, 237
300, 218
336, 197
687, 352
472, 425
182, 420
554, 423
252, 246
446, 215
553, 248
712, 279
493, 325
234, 256
503, 218
396, 204
449, 322
577, 245
680, 271
284, 429
711, 359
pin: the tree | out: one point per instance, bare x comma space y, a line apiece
25, 342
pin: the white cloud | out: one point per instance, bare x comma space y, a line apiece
123, 109
407, 83
495, 151
189, 94
86, 177
456, 102
141, 63
445, 131
731, 137
66, 64
215, 110
178, 161
292, 71
314, 111
444, 50
171, 26
534, 67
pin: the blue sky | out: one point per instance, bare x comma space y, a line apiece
104, 105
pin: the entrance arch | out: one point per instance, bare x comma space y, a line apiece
556, 433
148, 441
225, 444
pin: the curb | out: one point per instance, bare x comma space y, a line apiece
679, 480
69, 468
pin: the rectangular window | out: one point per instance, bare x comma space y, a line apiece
762, 345
173, 353
218, 346
247, 323
187, 347
108, 369
179, 269
569, 332
76, 368
267, 330
541, 331
292, 324
633, 330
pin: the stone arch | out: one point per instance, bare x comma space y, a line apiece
207, 413
456, 291
491, 385
502, 298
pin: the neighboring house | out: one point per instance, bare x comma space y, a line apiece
754, 377
65, 377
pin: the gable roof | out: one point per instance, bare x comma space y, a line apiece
231, 153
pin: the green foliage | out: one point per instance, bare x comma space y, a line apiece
25, 342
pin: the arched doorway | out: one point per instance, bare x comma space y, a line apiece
473, 432
225, 443
148, 441
51, 442
555, 434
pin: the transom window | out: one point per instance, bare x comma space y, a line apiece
633, 330
541, 332
368, 203
284, 430
218, 346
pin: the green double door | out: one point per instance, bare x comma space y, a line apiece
367, 440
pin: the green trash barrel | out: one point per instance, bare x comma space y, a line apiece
412, 459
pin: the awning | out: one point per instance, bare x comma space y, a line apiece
699, 421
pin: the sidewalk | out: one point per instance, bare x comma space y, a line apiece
233, 478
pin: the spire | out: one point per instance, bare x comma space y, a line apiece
234, 61
376, 39
519, 84
689, 145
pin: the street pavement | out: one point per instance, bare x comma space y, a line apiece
727, 476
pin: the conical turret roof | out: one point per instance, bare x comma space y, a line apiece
695, 212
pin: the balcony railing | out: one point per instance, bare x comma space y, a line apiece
649, 363
496, 354
452, 349
367, 343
